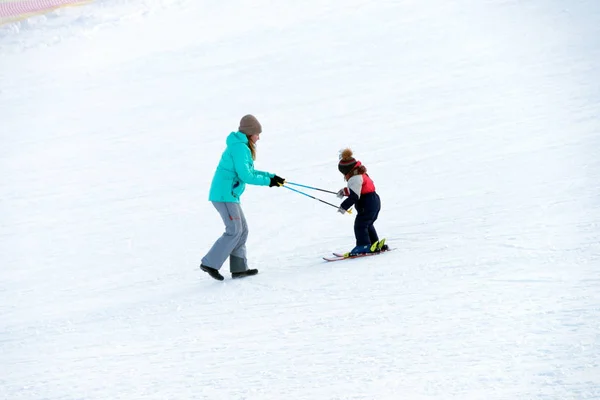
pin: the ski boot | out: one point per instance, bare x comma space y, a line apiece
358, 250
379, 246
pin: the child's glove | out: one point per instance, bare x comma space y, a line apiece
342, 210
342, 192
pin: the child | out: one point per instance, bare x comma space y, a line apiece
361, 193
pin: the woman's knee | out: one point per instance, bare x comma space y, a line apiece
234, 229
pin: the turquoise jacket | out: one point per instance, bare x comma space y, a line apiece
235, 170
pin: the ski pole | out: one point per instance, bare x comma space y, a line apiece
310, 187
315, 198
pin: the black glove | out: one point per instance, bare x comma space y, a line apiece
276, 181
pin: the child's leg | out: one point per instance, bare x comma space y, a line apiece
373, 234
375, 205
364, 231
361, 229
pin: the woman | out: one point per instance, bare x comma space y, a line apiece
235, 170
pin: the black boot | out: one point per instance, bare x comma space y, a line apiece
212, 272
243, 274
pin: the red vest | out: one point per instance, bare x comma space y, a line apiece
368, 186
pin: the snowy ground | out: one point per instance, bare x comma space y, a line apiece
479, 121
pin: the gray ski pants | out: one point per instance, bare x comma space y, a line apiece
232, 243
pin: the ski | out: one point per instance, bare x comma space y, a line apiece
340, 256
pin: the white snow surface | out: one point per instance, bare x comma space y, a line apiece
478, 120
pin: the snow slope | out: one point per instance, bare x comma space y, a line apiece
478, 121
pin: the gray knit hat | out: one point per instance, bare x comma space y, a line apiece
250, 125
